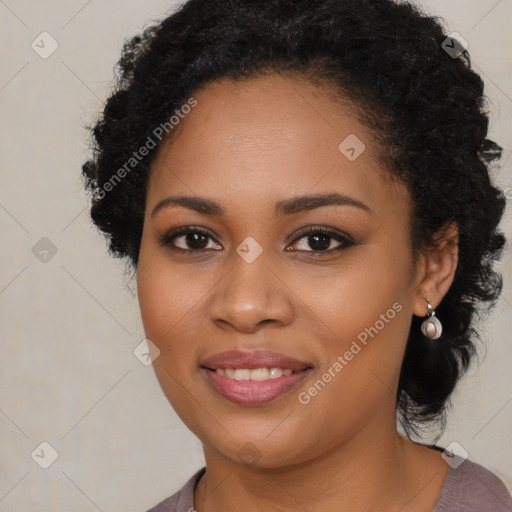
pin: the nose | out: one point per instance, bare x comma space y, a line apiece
250, 296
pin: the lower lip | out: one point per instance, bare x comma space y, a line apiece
254, 392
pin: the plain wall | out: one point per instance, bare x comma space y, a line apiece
69, 325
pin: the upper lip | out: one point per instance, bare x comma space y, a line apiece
250, 359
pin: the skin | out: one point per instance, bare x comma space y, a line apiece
248, 145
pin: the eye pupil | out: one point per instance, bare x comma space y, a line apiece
192, 240
323, 238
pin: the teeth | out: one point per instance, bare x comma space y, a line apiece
275, 373
253, 374
242, 374
259, 373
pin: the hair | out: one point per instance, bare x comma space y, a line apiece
425, 106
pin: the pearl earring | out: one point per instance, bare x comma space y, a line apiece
431, 326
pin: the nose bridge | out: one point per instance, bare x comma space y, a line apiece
250, 293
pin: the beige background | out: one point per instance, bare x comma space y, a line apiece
69, 326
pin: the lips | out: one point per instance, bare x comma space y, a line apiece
222, 371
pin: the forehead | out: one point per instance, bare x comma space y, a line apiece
256, 141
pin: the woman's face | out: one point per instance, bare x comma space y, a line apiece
338, 303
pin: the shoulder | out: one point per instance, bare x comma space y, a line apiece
469, 487
182, 500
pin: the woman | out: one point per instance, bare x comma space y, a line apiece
303, 190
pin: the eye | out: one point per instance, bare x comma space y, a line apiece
194, 239
190, 238
321, 239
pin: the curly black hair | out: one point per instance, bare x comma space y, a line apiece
424, 103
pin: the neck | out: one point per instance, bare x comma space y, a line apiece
375, 470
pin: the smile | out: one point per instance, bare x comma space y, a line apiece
254, 387
254, 377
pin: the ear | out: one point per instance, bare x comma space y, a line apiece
436, 269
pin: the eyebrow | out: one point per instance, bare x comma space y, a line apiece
284, 207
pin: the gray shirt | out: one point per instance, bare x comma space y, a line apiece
467, 488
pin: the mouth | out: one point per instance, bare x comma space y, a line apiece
254, 378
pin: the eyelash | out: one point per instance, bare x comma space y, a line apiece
345, 240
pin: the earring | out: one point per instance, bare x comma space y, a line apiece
431, 326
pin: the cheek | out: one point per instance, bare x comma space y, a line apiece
168, 297
342, 301
360, 314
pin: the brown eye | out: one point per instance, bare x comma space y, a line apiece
322, 240
188, 239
